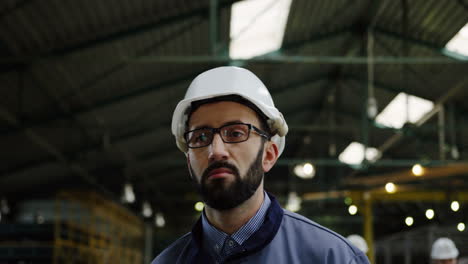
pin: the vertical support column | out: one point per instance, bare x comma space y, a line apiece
214, 26
453, 132
57, 231
388, 253
368, 227
407, 249
430, 238
148, 243
441, 129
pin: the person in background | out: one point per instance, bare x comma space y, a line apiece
463, 260
444, 251
231, 134
359, 242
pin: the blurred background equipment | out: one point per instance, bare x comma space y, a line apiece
359, 242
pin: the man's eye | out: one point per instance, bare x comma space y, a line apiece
236, 133
201, 138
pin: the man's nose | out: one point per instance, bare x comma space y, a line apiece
217, 149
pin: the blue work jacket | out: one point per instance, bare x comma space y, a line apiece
284, 237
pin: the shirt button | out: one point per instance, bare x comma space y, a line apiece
231, 243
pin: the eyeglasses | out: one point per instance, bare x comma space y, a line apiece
231, 133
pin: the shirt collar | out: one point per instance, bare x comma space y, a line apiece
215, 238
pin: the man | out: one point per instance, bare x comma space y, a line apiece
444, 251
231, 133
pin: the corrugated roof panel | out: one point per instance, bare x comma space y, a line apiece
433, 21
311, 18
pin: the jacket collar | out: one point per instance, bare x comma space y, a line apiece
256, 242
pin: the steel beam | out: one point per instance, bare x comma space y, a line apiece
407, 176
418, 42
291, 59
53, 151
148, 27
438, 104
378, 194
263, 59
329, 162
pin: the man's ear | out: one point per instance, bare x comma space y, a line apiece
270, 155
188, 166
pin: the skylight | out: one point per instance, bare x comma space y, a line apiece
394, 114
354, 154
257, 27
459, 43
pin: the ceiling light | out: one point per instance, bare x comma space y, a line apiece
128, 194
294, 202
409, 221
461, 227
430, 214
458, 45
308, 169
390, 187
416, 107
372, 107
199, 206
417, 170
455, 205
354, 154
454, 152
4, 208
352, 209
257, 27
159, 220
146, 209
304, 171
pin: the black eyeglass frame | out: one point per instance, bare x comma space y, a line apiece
218, 131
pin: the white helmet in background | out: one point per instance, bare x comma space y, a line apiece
224, 81
444, 248
359, 242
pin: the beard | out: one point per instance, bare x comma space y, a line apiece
223, 196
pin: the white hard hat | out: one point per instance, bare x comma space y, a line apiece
229, 80
359, 242
444, 248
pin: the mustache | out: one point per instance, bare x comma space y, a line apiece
217, 165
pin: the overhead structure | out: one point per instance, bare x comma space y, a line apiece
89, 88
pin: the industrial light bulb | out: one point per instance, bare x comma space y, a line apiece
417, 170
199, 206
352, 209
461, 227
430, 214
146, 209
409, 221
390, 187
294, 202
304, 171
159, 220
128, 194
455, 205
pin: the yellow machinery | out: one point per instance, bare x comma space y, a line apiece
91, 229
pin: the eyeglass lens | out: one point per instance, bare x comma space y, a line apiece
229, 133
